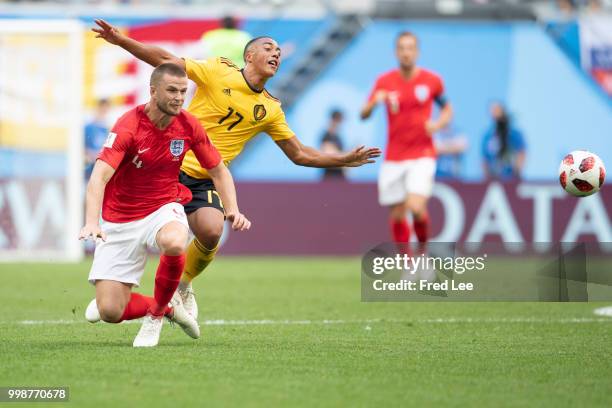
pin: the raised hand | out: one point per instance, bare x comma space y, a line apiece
107, 32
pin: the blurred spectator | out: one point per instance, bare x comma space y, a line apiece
331, 143
594, 6
450, 145
227, 41
567, 8
96, 132
503, 147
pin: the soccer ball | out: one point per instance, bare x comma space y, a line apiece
581, 173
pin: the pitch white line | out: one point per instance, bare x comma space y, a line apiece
218, 322
265, 322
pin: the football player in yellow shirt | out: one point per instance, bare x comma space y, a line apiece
233, 106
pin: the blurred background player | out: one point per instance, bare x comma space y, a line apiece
227, 41
96, 132
135, 185
233, 106
503, 147
406, 176
332, 143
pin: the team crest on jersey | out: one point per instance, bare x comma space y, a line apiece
421, 92
259, 112
176, 147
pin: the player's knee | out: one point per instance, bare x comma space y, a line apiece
173, 242
110, 312
416, 205
398, 213
418, 209
210, 236
174, 246
419, 213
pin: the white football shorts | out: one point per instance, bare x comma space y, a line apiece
397, 179
123, 255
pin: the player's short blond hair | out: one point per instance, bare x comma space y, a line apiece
166, 68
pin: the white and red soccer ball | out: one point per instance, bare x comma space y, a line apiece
582, 173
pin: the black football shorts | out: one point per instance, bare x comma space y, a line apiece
203, 191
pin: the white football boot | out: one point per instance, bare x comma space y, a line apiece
148, 336
92, 314
181, 317
188, 298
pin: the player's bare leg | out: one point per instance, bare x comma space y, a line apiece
111, 298
207, 226
417, 205
400, 229
114, 303
171, 240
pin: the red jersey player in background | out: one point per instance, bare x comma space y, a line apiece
406, 176
135, 184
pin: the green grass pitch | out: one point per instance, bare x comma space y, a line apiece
293, 332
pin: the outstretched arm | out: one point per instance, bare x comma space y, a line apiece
101, 174
150, 54
310, 157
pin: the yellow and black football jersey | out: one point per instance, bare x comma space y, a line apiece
230, 110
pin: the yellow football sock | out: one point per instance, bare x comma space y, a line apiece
198, 258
